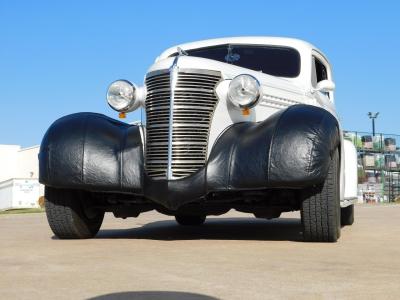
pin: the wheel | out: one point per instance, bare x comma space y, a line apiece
320, 209
347, 215
190, 220
69, 216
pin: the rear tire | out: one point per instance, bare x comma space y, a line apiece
67, 215
190, 220
320, 210
347, 215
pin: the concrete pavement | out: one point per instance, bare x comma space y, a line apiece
234, 256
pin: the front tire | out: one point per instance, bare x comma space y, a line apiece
320, 210
190, 220
68, 216
347, 215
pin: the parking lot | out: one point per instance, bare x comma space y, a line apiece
233, 256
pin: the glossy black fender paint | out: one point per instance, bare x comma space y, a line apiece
290, 149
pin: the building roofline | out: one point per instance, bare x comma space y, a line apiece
29, 148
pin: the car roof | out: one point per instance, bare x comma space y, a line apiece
247, 40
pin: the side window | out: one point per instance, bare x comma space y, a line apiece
319, 72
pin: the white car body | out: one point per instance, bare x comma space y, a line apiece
277, 93
237, 123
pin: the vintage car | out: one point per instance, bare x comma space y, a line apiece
244, 123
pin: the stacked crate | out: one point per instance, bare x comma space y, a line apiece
379, 166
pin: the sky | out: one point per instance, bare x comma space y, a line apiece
58, 57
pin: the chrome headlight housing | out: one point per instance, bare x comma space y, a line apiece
122, 96
244, 91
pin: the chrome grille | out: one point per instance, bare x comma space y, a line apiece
193, 106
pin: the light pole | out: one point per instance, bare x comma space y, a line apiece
373, 116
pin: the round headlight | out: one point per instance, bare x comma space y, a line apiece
121, 95
244, 91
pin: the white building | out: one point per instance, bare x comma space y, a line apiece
19, 172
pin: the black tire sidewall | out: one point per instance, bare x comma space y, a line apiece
320, 207
66, 214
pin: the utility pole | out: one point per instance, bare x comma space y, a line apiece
373, 116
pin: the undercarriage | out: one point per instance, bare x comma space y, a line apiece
266, 204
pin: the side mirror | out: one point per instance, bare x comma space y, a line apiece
325, 86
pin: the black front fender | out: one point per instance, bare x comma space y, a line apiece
291, 149
92, 152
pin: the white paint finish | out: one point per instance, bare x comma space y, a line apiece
342, 168
278, 93
350, 170
227, 114
318, 54
303, 47
229, 71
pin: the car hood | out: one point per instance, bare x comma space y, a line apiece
228, 72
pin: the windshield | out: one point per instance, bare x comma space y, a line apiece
272, 60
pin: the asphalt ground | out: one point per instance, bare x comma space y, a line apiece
234, 256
